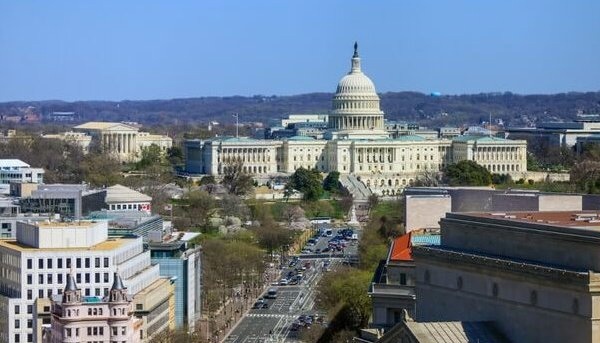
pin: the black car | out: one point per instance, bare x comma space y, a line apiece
265, 306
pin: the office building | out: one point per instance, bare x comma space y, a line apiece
13, 170
35, 265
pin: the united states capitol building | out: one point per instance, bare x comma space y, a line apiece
356, 144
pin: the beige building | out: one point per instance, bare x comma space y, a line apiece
75, 318
124, 141
534, 275
356, 144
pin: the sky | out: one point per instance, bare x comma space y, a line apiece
141, 50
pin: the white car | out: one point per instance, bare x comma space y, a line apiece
283, 282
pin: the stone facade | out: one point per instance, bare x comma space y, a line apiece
533, 274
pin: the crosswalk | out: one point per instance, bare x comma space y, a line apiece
270, 315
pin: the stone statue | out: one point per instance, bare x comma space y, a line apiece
355, 49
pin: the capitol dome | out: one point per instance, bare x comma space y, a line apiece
356, 83
356, 103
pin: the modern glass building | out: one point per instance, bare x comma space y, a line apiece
182, 262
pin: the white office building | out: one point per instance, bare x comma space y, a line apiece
35, 265
13, 170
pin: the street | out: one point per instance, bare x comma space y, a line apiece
281, 319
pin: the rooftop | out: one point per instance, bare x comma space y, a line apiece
401, 249
100, 125
109, 244
12, 162
570, 219
120, 194
454, 332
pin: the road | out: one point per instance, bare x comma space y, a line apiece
275, 323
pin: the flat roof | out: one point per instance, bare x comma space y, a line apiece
109, 244
585, 219
58, 224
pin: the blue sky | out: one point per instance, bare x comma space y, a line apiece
115, 50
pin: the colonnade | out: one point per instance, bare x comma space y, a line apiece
120, 143
229, 155
356, 122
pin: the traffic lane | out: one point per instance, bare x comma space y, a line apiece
253, 329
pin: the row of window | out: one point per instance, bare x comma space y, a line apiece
48, 263
86, 277
50, 292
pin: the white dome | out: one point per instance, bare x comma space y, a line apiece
355, 83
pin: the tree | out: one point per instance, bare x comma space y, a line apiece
332, 182
236, 181
200, 205
232, 205
101, 170
467, 173
175, 155
151, 155
308, 182
293, 213
346, 289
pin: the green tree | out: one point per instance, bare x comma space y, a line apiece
236, 181
175, 155
199, 206
101, 170
346, 289
467, 173
309, 182
151, 155
332, 182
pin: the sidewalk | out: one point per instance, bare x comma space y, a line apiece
226, 318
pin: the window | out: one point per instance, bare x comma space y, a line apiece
59, 262
29, 337
105, 277
68, 263
78, 277
403, 278
60, 279
106, 262
114, 331
17, 309
29, 263
78, 262
87, 262
29, 309
87, 277
87, 292
49, 263
29, 295
40, 293
29, 323
48, 293
41, 279
97, 262
97, 277
49, 279
17, 324
29, 279
17, 338
41, 263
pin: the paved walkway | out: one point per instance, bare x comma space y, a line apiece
231, 312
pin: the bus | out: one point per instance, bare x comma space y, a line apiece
271, 293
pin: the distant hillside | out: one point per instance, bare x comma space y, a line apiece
513, 109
